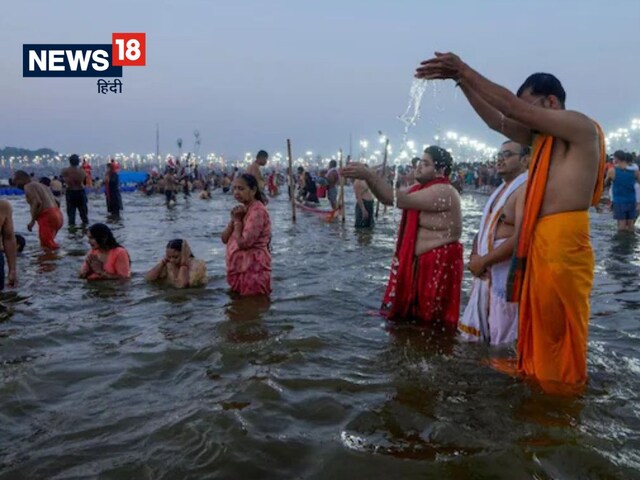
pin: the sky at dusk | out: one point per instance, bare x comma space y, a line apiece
248, 74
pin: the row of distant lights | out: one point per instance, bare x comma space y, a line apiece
624, 134
452, 141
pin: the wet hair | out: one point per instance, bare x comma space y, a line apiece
176, 244
544, 84
252, 183
620, 155
262, 154
103, 236
20, 242
441, 159
74, 160
333, 164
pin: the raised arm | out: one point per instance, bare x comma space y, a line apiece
567, 125
437, 198
157, 272
496, 120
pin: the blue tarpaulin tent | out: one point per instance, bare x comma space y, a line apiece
132, 177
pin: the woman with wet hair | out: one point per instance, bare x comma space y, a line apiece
247, 238
107, 259
179, 268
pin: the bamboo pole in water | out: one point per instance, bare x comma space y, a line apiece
292, 192
384, 172
341, 194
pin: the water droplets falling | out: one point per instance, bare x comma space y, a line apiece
410, 117
412, 113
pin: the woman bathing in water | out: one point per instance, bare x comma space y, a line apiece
107, 259
179, 267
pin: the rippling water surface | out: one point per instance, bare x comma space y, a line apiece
136, 381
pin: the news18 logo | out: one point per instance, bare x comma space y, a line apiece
86, 60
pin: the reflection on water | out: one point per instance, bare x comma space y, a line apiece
131, 380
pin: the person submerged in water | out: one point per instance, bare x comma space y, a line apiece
179, 267
107, 259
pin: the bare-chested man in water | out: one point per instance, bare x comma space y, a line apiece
488, 316
426, 272
44, 209
552, 274
8, 246
254, 169
75, 178
364, 204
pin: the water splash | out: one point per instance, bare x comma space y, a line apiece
410, 117
412, 113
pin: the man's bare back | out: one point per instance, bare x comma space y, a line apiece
254, 169
39, 198
8, 240
361, 189
74, 177
6, 219
572, 176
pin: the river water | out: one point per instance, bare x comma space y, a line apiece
136, 381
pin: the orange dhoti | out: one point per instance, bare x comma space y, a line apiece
554, 305
49, 222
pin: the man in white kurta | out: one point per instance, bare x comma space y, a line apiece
488, 317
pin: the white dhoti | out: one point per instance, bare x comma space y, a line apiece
488, 317
503, 315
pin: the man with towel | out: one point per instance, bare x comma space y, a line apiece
489, 317
552, 271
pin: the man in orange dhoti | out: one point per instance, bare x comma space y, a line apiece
44, 209
552, 270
